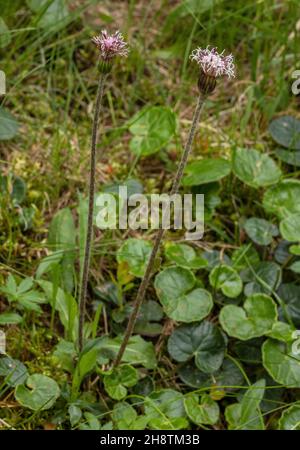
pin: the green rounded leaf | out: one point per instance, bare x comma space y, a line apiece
227, 279
206, 171
136, 253
260, 230
174, 289
201, 410
184, 256
290, 418
9, 127
203, 341
281, 363
118, 380
38, 393
13, 371
255, 319
255, 168
152, 128
289, 157
246, 414
290, 227
285, 130
228, 377
283, 199
165, 410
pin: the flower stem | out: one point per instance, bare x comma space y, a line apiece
160, 233
89, 231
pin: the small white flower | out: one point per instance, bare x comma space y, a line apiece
214, 64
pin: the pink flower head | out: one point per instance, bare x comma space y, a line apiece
110, 45
214, 64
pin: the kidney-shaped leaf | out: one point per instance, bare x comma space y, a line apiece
227, 279
255, 319
281, 363
283, 199
260, 230
8, 125
174, 289
136, 253
203, 341
201, 410
164, 410
40, 392
184, 256
290, 227
152, 128
255, 168
285, 130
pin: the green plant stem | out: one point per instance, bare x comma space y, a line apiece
89, 232
160, 233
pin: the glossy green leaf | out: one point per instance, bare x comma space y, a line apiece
202, 341
184, 255
165, 410
255, 319
206, 171
282, 199
260, 230
152, 128
117, 382
227, 279
264, 278
174, 288
62, 238
13, 371
125, 417
290, 227
9, 126
285, 131
135, 253
201, 410
246, 414
38, 393
281, 363
255, 168
290, 418
227, 377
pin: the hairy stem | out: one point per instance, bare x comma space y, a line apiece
160, 233
89, 232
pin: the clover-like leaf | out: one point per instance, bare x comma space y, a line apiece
201, 410
255, 319
255, 168
135, 253
281, 362
203, 341
227, 279
174, 287
118, 380
38, 393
